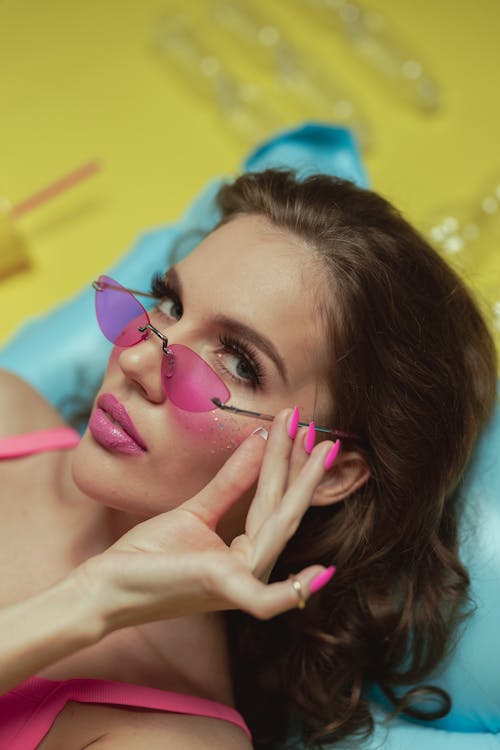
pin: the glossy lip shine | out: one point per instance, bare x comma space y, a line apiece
112, 427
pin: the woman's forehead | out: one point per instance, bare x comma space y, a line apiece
252, 262
249, 252
262, 276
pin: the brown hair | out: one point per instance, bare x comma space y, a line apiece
413, 370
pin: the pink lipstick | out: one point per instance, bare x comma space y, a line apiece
112, 427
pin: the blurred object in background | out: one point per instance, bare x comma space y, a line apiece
256, 80
401, 70
13, 247
307, 80
240, 104
260, 79
54, 189
468, 234
457, 230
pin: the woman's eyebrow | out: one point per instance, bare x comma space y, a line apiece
172, 277
238, 328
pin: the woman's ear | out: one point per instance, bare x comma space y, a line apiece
349, 472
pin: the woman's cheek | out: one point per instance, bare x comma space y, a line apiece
218, 432
114, 357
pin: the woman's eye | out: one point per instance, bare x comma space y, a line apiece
170, 307
169, 303
239, 367
240, 363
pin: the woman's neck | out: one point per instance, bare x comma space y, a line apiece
186, 654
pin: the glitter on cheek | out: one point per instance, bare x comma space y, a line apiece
219, 433
224, 433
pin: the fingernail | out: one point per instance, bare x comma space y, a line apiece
321, 579
332, 455
294, 423
263, 433
310, 438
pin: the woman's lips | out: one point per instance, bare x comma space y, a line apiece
112, 427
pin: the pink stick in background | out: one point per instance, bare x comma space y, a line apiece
52, 190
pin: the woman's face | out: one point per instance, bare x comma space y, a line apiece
246, 273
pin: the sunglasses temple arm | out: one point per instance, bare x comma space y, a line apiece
100, 287
259, 415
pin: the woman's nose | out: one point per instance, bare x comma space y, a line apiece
141, 364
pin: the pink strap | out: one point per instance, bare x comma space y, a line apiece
55, 438
54, 694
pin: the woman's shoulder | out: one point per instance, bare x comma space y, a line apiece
22, 408
174, 730
108, 727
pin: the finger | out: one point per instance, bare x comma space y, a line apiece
233, 479
299, 455
273, 476
264, 601
282, 525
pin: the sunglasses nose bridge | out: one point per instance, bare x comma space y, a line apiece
178, 334
149, 327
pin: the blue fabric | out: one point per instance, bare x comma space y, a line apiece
400, 734
63, 354
311, 149
471, 674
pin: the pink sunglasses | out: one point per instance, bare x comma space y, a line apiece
188, 380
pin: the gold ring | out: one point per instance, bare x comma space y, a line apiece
297, 587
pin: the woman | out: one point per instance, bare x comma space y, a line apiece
315, 295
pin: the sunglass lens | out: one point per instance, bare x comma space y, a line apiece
189, 381
119, 313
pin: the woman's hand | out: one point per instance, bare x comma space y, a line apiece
176, 564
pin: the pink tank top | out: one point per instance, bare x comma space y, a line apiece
28, 711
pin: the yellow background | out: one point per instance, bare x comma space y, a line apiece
81, 81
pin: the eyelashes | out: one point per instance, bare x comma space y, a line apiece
233, 346
160, 288
237, 348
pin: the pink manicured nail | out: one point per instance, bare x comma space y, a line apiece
310, 438
321, 579
332, 455
294, 423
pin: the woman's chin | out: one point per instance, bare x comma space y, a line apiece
110, 479
100, 475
